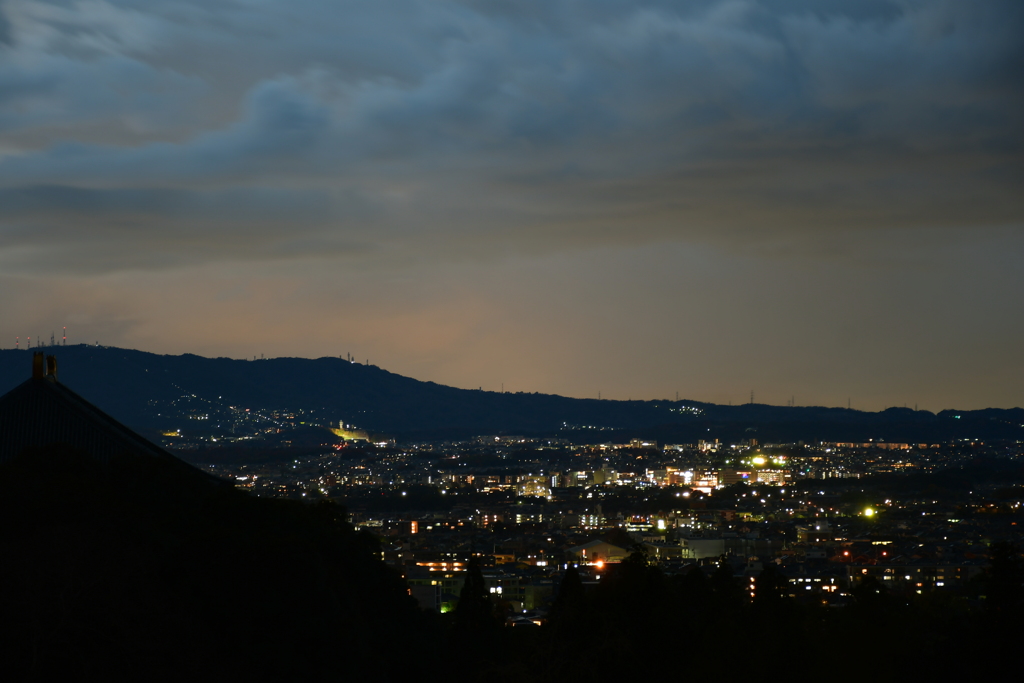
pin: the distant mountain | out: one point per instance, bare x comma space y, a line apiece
133, 385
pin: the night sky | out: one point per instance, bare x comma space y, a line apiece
816, 200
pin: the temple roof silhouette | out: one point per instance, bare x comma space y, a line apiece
41, 412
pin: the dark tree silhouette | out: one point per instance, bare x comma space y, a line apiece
770, 587
1005, 580
127, 566
569, 603
726, 592
475, 628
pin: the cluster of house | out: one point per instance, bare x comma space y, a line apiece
821, 561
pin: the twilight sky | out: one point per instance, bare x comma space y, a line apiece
810, 199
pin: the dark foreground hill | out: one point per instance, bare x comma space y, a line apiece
132, 385
129, 570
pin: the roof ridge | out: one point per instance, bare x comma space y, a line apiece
42, 412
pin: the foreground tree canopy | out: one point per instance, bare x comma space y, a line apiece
137, 568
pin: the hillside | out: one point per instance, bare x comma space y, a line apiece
136, 387
131, 571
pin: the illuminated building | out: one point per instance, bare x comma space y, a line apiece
534, 485
773, 476
597, 551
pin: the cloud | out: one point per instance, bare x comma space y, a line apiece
5, 28
476, 128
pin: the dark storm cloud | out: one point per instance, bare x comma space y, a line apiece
862, 10
5, 27
471, 126
281, 124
